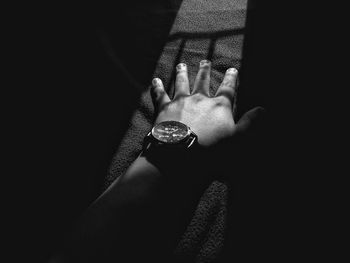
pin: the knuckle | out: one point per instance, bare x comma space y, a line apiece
222, 101
198, 97
229, 82
204, 74
157, 91
180, 78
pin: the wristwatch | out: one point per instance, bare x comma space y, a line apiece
169, 136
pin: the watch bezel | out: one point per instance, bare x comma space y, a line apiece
185, 138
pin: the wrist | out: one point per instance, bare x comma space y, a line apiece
189, 164
173, 148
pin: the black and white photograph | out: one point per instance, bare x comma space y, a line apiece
175, 131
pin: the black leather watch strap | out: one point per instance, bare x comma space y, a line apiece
170, 157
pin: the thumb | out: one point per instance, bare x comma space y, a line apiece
240, 142
250, 120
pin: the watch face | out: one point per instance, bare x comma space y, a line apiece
170, 131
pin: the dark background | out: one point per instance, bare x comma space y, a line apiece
65, 130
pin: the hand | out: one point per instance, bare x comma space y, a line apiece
211, 118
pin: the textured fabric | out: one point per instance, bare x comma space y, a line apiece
204, 238
202, 30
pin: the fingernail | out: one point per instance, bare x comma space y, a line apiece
181, 66
155, 82
204, 63
232, 70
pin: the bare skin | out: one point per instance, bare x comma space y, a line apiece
211, 118
143, 213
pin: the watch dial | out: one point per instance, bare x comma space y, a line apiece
170, 131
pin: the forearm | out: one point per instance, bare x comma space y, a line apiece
143, 211
146, 210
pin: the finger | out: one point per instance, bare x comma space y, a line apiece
202, 81
158, 94
182, 86
228, 86
250, 119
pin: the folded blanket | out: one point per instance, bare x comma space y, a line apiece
202, 29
